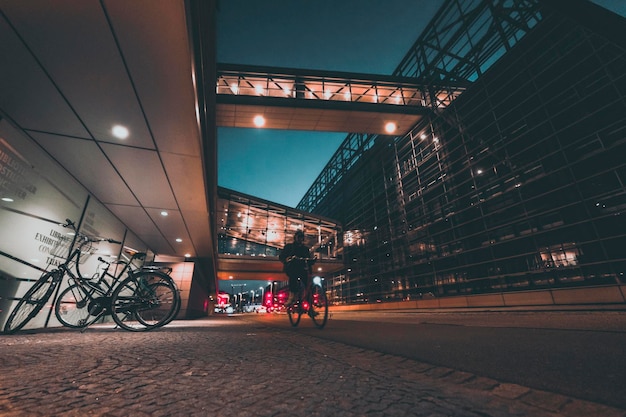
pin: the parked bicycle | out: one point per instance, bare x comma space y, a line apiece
145, 300
88, 299
310, 300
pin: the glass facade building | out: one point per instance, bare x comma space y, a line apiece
519, 184
251, 227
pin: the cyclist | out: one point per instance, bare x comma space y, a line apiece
297, 260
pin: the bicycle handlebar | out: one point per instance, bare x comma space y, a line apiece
72, 225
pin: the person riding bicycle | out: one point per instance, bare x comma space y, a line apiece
297, 260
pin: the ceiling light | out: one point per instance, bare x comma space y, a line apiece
8, 199
120, 132
179, 240
164, 213
259, 121
390, 127
187, 255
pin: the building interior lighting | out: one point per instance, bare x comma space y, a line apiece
259, 121
178, 240
187, 255
164, 213
259, 90
7, 199
120, 132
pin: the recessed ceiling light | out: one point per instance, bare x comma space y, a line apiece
120, 132
259, 121
187, 255
164, 213
390, 127
8, 199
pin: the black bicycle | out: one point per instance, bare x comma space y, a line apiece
146, 299
143, 301
310, 300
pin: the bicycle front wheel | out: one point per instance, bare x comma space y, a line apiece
77, 308
32, 302
318, 310
137, 305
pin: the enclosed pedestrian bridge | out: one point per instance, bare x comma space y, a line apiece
291, 99
252, 231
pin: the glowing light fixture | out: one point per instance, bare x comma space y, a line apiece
178, 240
259, 90
120, 132
390, 127
187, 255
164, 213
8, 199
259, 121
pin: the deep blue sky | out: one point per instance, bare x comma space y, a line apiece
368, 36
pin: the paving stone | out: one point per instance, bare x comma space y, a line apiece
233, 367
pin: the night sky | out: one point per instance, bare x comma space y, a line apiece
366, 36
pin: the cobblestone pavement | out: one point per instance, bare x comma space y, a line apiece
229, 366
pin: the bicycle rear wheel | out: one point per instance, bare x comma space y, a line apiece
318, 310
168, 300
137, 305
76, 307
294, 313
32, 302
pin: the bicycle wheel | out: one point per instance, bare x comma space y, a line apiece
318, 310
294, 313
76, 307
162, 305
167, 299
32, 302
137, 305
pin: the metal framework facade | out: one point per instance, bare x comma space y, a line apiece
459, 44
519, 184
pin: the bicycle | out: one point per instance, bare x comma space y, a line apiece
126, 309
311, 301
87, 300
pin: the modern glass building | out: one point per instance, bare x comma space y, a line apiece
517, 185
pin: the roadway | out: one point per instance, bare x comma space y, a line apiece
578, 354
